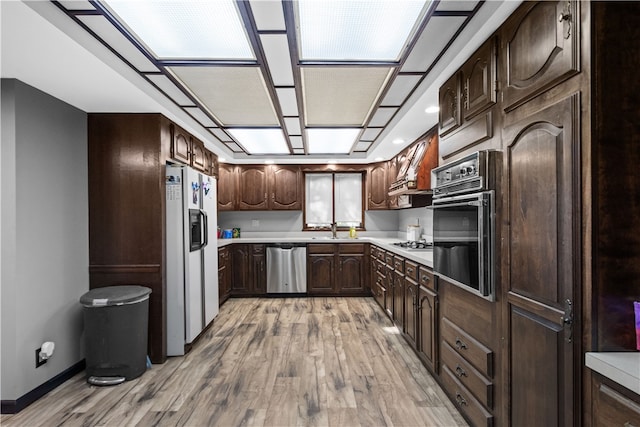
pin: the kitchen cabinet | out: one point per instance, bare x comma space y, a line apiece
336, 269
427, 321
258, 187
285, 187
466, 117
613, 405
398, 292
211, 163
252, 187
392, 175
227, 187
541, 45
180, 144
410, 302
198, 156
377, 186
224, 274
249, 273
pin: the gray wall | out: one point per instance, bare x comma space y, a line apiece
45, 243
413, 216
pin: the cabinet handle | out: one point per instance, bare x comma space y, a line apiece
410, 270
460, 345
425, 278
461, 400
460, 372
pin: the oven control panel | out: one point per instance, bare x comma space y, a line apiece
465, 175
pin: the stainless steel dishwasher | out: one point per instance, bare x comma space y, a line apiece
287, 268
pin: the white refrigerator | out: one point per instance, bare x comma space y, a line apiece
192, 256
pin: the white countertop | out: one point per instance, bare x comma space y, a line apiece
386, 243
621, 367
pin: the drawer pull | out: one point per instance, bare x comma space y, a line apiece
460, 372
460, 345
461, 400
425, 278
410, 270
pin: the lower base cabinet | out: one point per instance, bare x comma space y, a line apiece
337, 269
249, 275
613, 405
224, 274
427, 320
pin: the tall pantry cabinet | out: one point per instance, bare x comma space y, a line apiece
127, 236
566, 121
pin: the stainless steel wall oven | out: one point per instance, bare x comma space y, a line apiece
464, 222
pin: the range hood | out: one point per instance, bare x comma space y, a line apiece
414, 174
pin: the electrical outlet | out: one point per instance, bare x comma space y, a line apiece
39, 361
255, 223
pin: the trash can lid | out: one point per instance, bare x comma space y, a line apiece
115, 295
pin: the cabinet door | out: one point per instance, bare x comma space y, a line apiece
379, 290
398, 300
449, 101
320, 274
351, 274
541, 42
543, 241
241, 279
285, 187
180, 145
258, 270
479, 80
377, 186
211, 163
410, 300
427, 321
198, 156
227, 185
252, 188
392, 175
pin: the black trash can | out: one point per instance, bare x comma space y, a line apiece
116, 319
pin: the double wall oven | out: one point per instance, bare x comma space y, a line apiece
464, 221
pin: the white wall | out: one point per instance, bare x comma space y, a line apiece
45, 242
413, 216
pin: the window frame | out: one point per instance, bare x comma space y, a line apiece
305, 227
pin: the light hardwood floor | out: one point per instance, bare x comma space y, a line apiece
268, 362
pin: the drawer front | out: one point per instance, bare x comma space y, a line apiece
411, 270
388, 258
382, 255
351, 248
381, 268
374, 252
321, 248
469, 348
426, 278
258, 249
612, 408
379, 293
398, 264
468, 376
464, 400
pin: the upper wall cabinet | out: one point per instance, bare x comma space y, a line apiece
180, 144
198, 156
285, 187
554, 29
377, 186
227, 187
466, 116
252, 188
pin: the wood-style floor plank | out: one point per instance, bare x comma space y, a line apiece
268, 362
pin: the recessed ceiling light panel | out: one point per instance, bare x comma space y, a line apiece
331, 141
364, 30
261, 141
186, 29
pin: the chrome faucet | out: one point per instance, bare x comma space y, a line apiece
334, 230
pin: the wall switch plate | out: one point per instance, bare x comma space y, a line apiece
255, 223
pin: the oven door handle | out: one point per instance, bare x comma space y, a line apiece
452, 205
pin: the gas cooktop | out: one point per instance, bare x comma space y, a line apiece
415, 246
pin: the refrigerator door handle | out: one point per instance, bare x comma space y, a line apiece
205, 223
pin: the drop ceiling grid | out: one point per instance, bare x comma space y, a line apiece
236, 96
341, 96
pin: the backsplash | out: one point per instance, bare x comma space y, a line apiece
291, 221
412, 216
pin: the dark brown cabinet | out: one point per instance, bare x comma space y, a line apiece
466, 117
198, 156
541, 44
398, 292
285, 187
252, 188
613, 405
377, 186
227, 185
427, 321
336, 269
410, 314
180, 145
249, 273
224, 273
